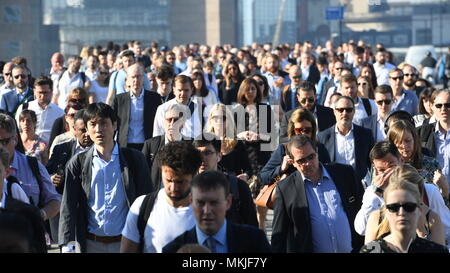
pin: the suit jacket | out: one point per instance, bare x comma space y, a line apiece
426, 134
330, 83
325, 119
286, 99
73, 221
59, 127
291, 228
150, 150
122, 106
9, 101
62, 153
240, 239
242, 210
363, 144
314, 74
371, 124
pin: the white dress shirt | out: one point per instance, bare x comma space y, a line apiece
382, 72
360, 111
345, 148
136, 128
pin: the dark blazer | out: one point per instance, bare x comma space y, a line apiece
272, 168
314, 74
291, 223
325, 119
9, 101
150, 150
371, 124
242, 210
363, 144
330, 83
59, 127
426, 134
240, 239
286, 99
73, 220
122, 106
62, 153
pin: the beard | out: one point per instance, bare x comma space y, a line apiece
180, 197
410, 83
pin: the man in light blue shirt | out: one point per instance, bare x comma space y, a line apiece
404, 99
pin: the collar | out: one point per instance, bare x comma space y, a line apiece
133, 96
438, 127
115, 150
78, 145
337, 132
325, 174
220, 236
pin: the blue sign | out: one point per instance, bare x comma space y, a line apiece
334, 13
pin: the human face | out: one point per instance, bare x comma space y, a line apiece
197, 83
402, 221
271, 65
92, 62
383, 164
305, 59
165, 85
20, 78
396, 80
306, 99
337, 68
101, 130
442, 114
306, 160
232, 70
170, 58
57, 61
210, 208
363, 87
43, 94
428, 106
218, 121
366, 72
210, 158
386, 103
410, 76
358, 59
74, 66
81, 133
27, 125
303, 127
172, 124
135, 79
70, 117
137, 49
101, 59
296, 75
260, 83
344, 118
182, 92
7, 74
110, 59
8, 141
176, 186
350, 89
127, 61
406, 146
380, 57
250, 93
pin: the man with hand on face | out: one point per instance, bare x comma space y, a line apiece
136, 110
182, 89
211, 198
157, 218
307, 98
316, 205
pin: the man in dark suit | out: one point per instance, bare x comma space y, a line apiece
316, 206
22, 92
289, 94
211, 199
307, 98
62, 153
136, 110
173, 123
310, 72
100, 185
346, 142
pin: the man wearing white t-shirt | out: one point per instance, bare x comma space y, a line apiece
172, 213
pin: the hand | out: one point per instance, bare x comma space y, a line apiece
251, 136
381, 180
243, 176
287, 161
279, 82
57, 179
440, 181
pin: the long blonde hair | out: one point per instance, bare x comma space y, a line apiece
229, 140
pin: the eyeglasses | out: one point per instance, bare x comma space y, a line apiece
348, 110
397, 78
439, 105
71, 115
362, 83
303, 131
207, 153
8, 74
338, 68
172, 119
81, 101
23, 76
5, 141
310, 100
387, 102
408, 207
297, 77
305, 160
410, 75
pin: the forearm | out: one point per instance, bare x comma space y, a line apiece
52, 209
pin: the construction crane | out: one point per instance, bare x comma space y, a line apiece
277, 34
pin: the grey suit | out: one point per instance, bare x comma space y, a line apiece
371, 123
10, 102
73, 222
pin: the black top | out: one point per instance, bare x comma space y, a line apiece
228, 96
237, 162
419, 245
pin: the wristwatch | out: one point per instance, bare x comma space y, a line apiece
378, 190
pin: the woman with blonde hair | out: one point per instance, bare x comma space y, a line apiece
382, 223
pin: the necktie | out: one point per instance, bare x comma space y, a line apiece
210, 243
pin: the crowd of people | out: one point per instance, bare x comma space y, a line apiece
124, 148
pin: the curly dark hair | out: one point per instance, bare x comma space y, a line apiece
180, 156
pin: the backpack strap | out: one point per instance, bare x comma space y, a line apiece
11, 180
367, 107
144, 214
83, 77
33, 162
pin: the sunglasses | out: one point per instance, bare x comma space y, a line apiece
310, 100
104, 73
81, 101
338, 68
410, 75
8, 74
304, 160
408, 207
397, 78
71, 115
20, 76
439, 105
387, 102
302, 131
5, 141
348, 110
297, 77
362, 83
172, 119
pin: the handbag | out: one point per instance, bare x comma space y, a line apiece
267, 195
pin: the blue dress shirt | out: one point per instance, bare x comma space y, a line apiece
220, 237
108, 207
408, 102
329, 223
442, 142
136, 128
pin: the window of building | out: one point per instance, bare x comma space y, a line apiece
423, 36
12, 15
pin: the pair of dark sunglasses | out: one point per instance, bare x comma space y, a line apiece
439, 105
348, 110
304, 160
310, 100
408, 207
387, 102
397, 78
20, 76
302, 131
